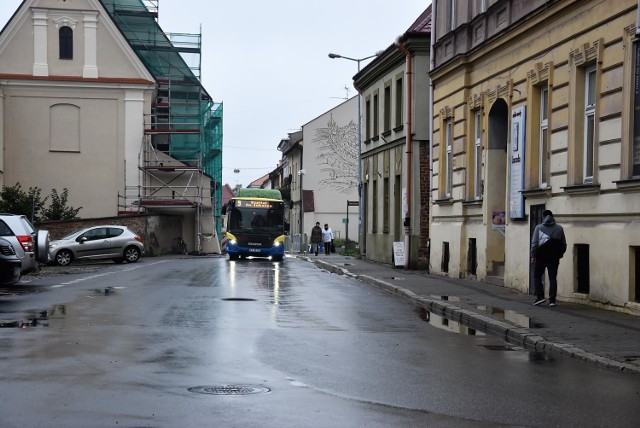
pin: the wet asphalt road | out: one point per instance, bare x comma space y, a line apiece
281, 345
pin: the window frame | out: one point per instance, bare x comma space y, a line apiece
543, 143
448, 179
386, 125
367, 114
376, 115
589, 124
477, 156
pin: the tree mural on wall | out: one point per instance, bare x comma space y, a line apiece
337, 149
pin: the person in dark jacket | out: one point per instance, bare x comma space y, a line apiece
316, 238
548, 245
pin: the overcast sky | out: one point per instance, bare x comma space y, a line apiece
267, 62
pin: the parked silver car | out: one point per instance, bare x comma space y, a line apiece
31, 245
99, 242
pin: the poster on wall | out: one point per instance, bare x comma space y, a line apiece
516, 180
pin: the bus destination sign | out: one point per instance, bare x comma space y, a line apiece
257, 204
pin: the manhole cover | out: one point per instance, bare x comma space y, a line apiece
229, 389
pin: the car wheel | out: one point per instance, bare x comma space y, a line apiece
234, 256
131, 254
64, 257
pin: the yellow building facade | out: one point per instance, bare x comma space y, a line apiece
533, 109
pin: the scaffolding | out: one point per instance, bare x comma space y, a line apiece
181, 152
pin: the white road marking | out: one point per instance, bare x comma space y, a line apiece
98, 275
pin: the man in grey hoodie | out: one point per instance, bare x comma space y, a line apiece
548, 245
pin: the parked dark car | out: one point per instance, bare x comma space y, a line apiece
10, 264
114, 242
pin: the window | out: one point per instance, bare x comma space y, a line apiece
367, 127
589, 124
634, 152
376, 115
386, 207
543, 174
477, 158
398, 207
65, 38
387, 108
585, 63
452, 15
374, 200
399, 102
449, 158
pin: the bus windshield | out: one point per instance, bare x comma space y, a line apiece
256, 216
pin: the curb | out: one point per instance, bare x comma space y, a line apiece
510, 333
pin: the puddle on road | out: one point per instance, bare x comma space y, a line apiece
449, 298
443, 323
501, 313
36, 319
512, 316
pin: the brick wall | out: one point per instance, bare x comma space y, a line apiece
425, 204
158, 232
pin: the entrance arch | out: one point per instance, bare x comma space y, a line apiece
495, 197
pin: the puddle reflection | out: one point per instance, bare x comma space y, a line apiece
446, 324
37, 319
512, 316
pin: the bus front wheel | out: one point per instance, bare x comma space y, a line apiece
234, 256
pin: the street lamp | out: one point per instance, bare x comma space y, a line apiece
361, 208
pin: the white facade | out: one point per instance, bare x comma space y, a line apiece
330, 163
73, 123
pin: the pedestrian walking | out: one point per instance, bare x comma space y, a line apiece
327, 239
316, 238
548, 245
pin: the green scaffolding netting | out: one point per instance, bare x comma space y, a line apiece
190, 119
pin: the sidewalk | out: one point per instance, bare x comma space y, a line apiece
607, 339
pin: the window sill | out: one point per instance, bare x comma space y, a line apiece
398, 128
367, 141
632, 184
539, 191
472, 203
376, 138
445, 201
582, 189
386, 133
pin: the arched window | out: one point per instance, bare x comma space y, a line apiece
65, 36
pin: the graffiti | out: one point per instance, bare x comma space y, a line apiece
337, 156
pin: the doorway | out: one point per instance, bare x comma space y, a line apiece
495, 194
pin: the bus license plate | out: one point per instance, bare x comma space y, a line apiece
254, 250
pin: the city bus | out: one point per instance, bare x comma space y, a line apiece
255, 224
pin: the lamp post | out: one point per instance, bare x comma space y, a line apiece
360, 207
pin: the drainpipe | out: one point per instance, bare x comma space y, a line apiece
407, 218
638, 19
432, 65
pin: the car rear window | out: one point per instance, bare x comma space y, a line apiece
114, 231
5, 230
27, 225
